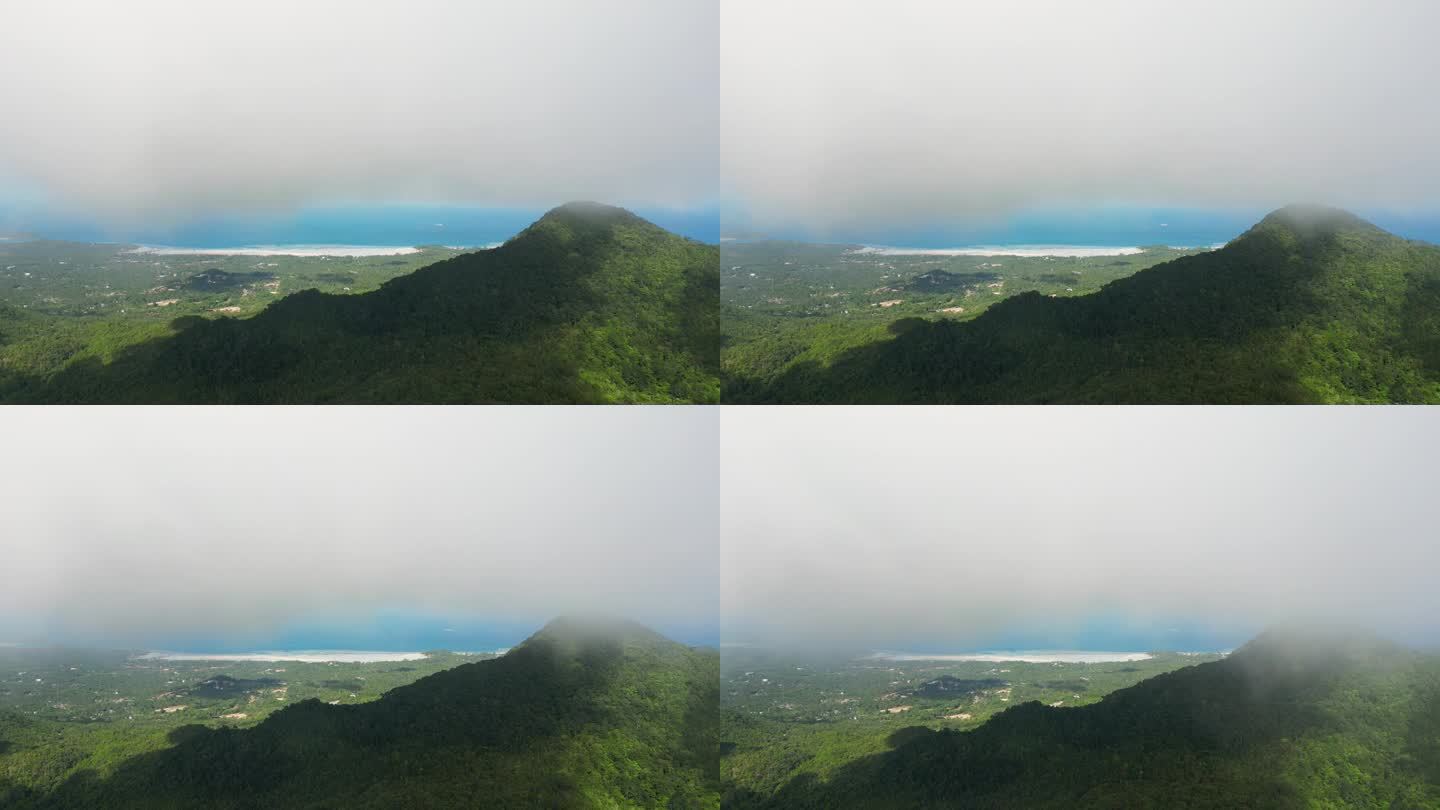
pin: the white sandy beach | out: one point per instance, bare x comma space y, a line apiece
300, 656
1027, 657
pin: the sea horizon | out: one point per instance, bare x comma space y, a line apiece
379, 225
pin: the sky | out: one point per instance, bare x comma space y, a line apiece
385, 224
956, 529
160, 111
915, 122
854, 120
372, 528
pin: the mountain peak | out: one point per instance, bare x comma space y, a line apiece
589, 212
1298, 648
1308, 221
596, 628
582, 219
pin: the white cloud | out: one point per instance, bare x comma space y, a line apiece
885, 525
838, 112
170, 108
142, 523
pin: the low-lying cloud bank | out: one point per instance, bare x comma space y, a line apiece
218, 523
159, 109
944, 529
841, 114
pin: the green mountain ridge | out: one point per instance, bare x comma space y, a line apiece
1312, 304
1292, 719
589, 304
584, 713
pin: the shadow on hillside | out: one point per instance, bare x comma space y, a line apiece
311, 751
1204, 328
563, 313
1422, 743
1421, 336
1205, 732
701, 738
14, 795
450, 332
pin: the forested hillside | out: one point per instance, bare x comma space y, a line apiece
1309, 305
1293, 719
583, 714
590, 304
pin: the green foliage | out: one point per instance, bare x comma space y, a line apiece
114, 281
1310, 305
790, 716
89, 711
1291, 720
583, 714
590, 304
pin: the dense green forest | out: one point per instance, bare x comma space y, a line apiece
590, 304
788, 715
1309, 305
1292, 719
784, 303
583, 714
64, 711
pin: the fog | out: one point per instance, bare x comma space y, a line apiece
123, 525
950, 527
843, 114
166, 108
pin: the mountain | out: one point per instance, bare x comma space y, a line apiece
15, 323
584, 713
589, 304
1310, 305
1293, 719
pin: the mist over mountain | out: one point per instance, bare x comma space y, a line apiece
843, 116
1312, 304
244, 529
948, 530
267, 106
